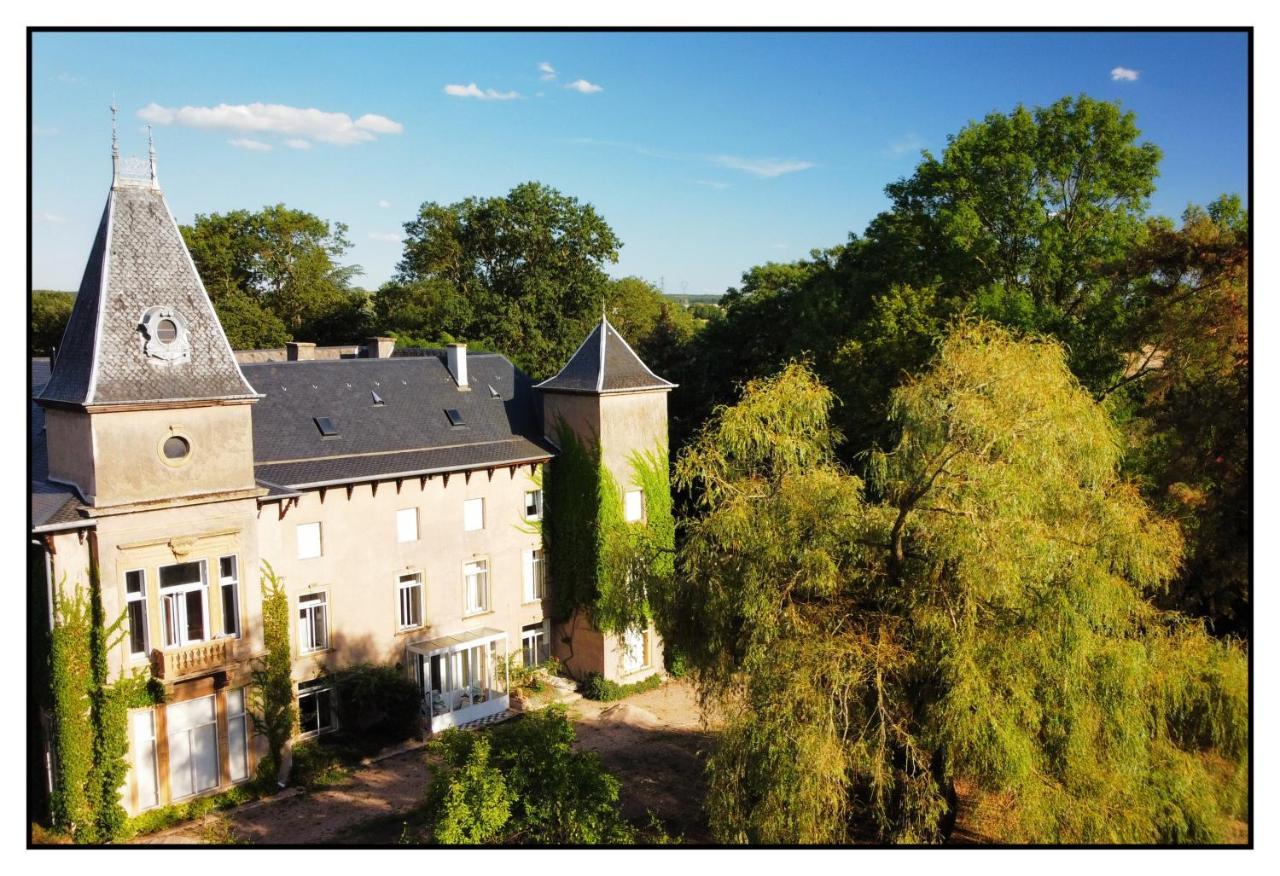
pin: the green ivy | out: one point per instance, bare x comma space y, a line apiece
599, 562
271, 696
90, 716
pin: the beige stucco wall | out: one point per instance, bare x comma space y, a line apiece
361, 562
582, 650
69, 441
581, 413
130, 466
630, 423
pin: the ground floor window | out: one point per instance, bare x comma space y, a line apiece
315, 707
193, 746
635, 649
535, 644
237, 735
142, 747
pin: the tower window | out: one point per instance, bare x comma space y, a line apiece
176, 447
166, 331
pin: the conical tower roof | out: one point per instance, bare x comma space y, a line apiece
605, 363
142, 329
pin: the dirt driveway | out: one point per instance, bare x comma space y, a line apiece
652, 742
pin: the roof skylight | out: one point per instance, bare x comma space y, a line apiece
326, 427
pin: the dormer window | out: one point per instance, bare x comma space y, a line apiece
165, 333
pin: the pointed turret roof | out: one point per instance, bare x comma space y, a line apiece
605, 363
142, 329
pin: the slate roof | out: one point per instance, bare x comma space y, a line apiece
408, 433
604, 363
53, 506
139, 261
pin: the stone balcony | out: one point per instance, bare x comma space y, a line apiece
192, 661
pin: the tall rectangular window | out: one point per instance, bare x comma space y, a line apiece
533, 504
635, 649
142, 746
184, 603
409, 593
534, 644
229, 583
535, 576
407, 525
308, 541
473, 515
476, 587
135, 594
313, 622
237, 735
315, 707
193, 746
634, 506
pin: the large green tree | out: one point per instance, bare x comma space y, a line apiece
277, 261
528, 268
49, 314
978, 615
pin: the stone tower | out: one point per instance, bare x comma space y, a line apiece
609, 399
146, 402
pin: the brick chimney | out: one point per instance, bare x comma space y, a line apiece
456, 359
379, 348
300, 351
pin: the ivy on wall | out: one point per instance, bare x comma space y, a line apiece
271, 696
599, 562
90, 715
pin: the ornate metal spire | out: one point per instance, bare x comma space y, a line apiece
151, 153
115, 144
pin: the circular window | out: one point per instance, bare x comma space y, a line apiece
166, 331
176, 447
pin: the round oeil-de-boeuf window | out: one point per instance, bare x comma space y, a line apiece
176, 448
167, 331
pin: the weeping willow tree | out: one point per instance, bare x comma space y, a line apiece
977, 615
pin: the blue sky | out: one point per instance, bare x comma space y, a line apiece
707, 153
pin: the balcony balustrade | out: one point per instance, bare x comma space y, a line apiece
201, 658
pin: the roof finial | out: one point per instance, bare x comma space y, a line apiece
151, 153
115, 144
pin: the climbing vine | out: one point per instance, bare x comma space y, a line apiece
598, 561
90, 715
271, 696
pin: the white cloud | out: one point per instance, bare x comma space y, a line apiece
478, 93
43, 132
384, 204
711, 183
273, 118
70, 79
251, 145
582, 86
763, 167
1123, 74
548, 72
52, 217
298, 144
911, 143
385, 236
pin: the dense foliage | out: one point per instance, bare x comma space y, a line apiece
377, 703
49, 314
597, 687
523, 783
271, 705
979, 612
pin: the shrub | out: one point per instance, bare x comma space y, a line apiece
317, 766
377, 704
552, 794
597, 687
167, 816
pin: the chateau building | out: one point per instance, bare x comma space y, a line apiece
397, 497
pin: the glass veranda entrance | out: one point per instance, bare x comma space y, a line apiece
462, 678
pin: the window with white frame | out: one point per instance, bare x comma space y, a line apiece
184, 603
313, 622
635, 649
535, 644
475, 576
533, 504
308, 540
237, 735
406, 525
142, 747
409, 598
473, 514
535, 576
633, 506
135, 594
315, 707
229, 584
